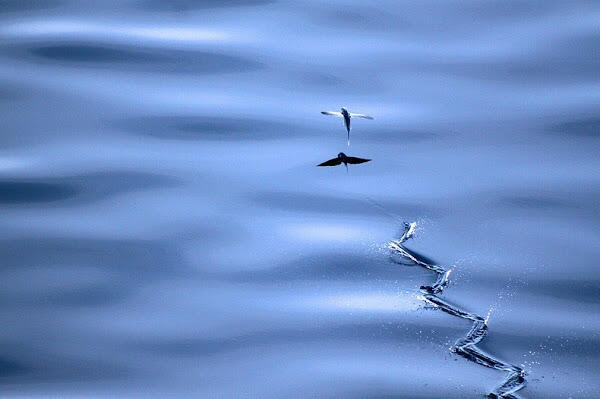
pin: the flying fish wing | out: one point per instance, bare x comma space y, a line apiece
361, 116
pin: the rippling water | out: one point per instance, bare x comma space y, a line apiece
166, 232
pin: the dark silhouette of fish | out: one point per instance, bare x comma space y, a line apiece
343, 159
347, 116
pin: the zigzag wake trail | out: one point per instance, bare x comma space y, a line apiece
466, 346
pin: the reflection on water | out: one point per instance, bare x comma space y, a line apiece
166, 232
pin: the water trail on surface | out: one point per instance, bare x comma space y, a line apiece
466, 346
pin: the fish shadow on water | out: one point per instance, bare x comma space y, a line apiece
344, 159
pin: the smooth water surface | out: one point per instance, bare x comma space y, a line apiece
165, 232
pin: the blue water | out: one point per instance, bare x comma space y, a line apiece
165, 232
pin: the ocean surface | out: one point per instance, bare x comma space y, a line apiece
165, 231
